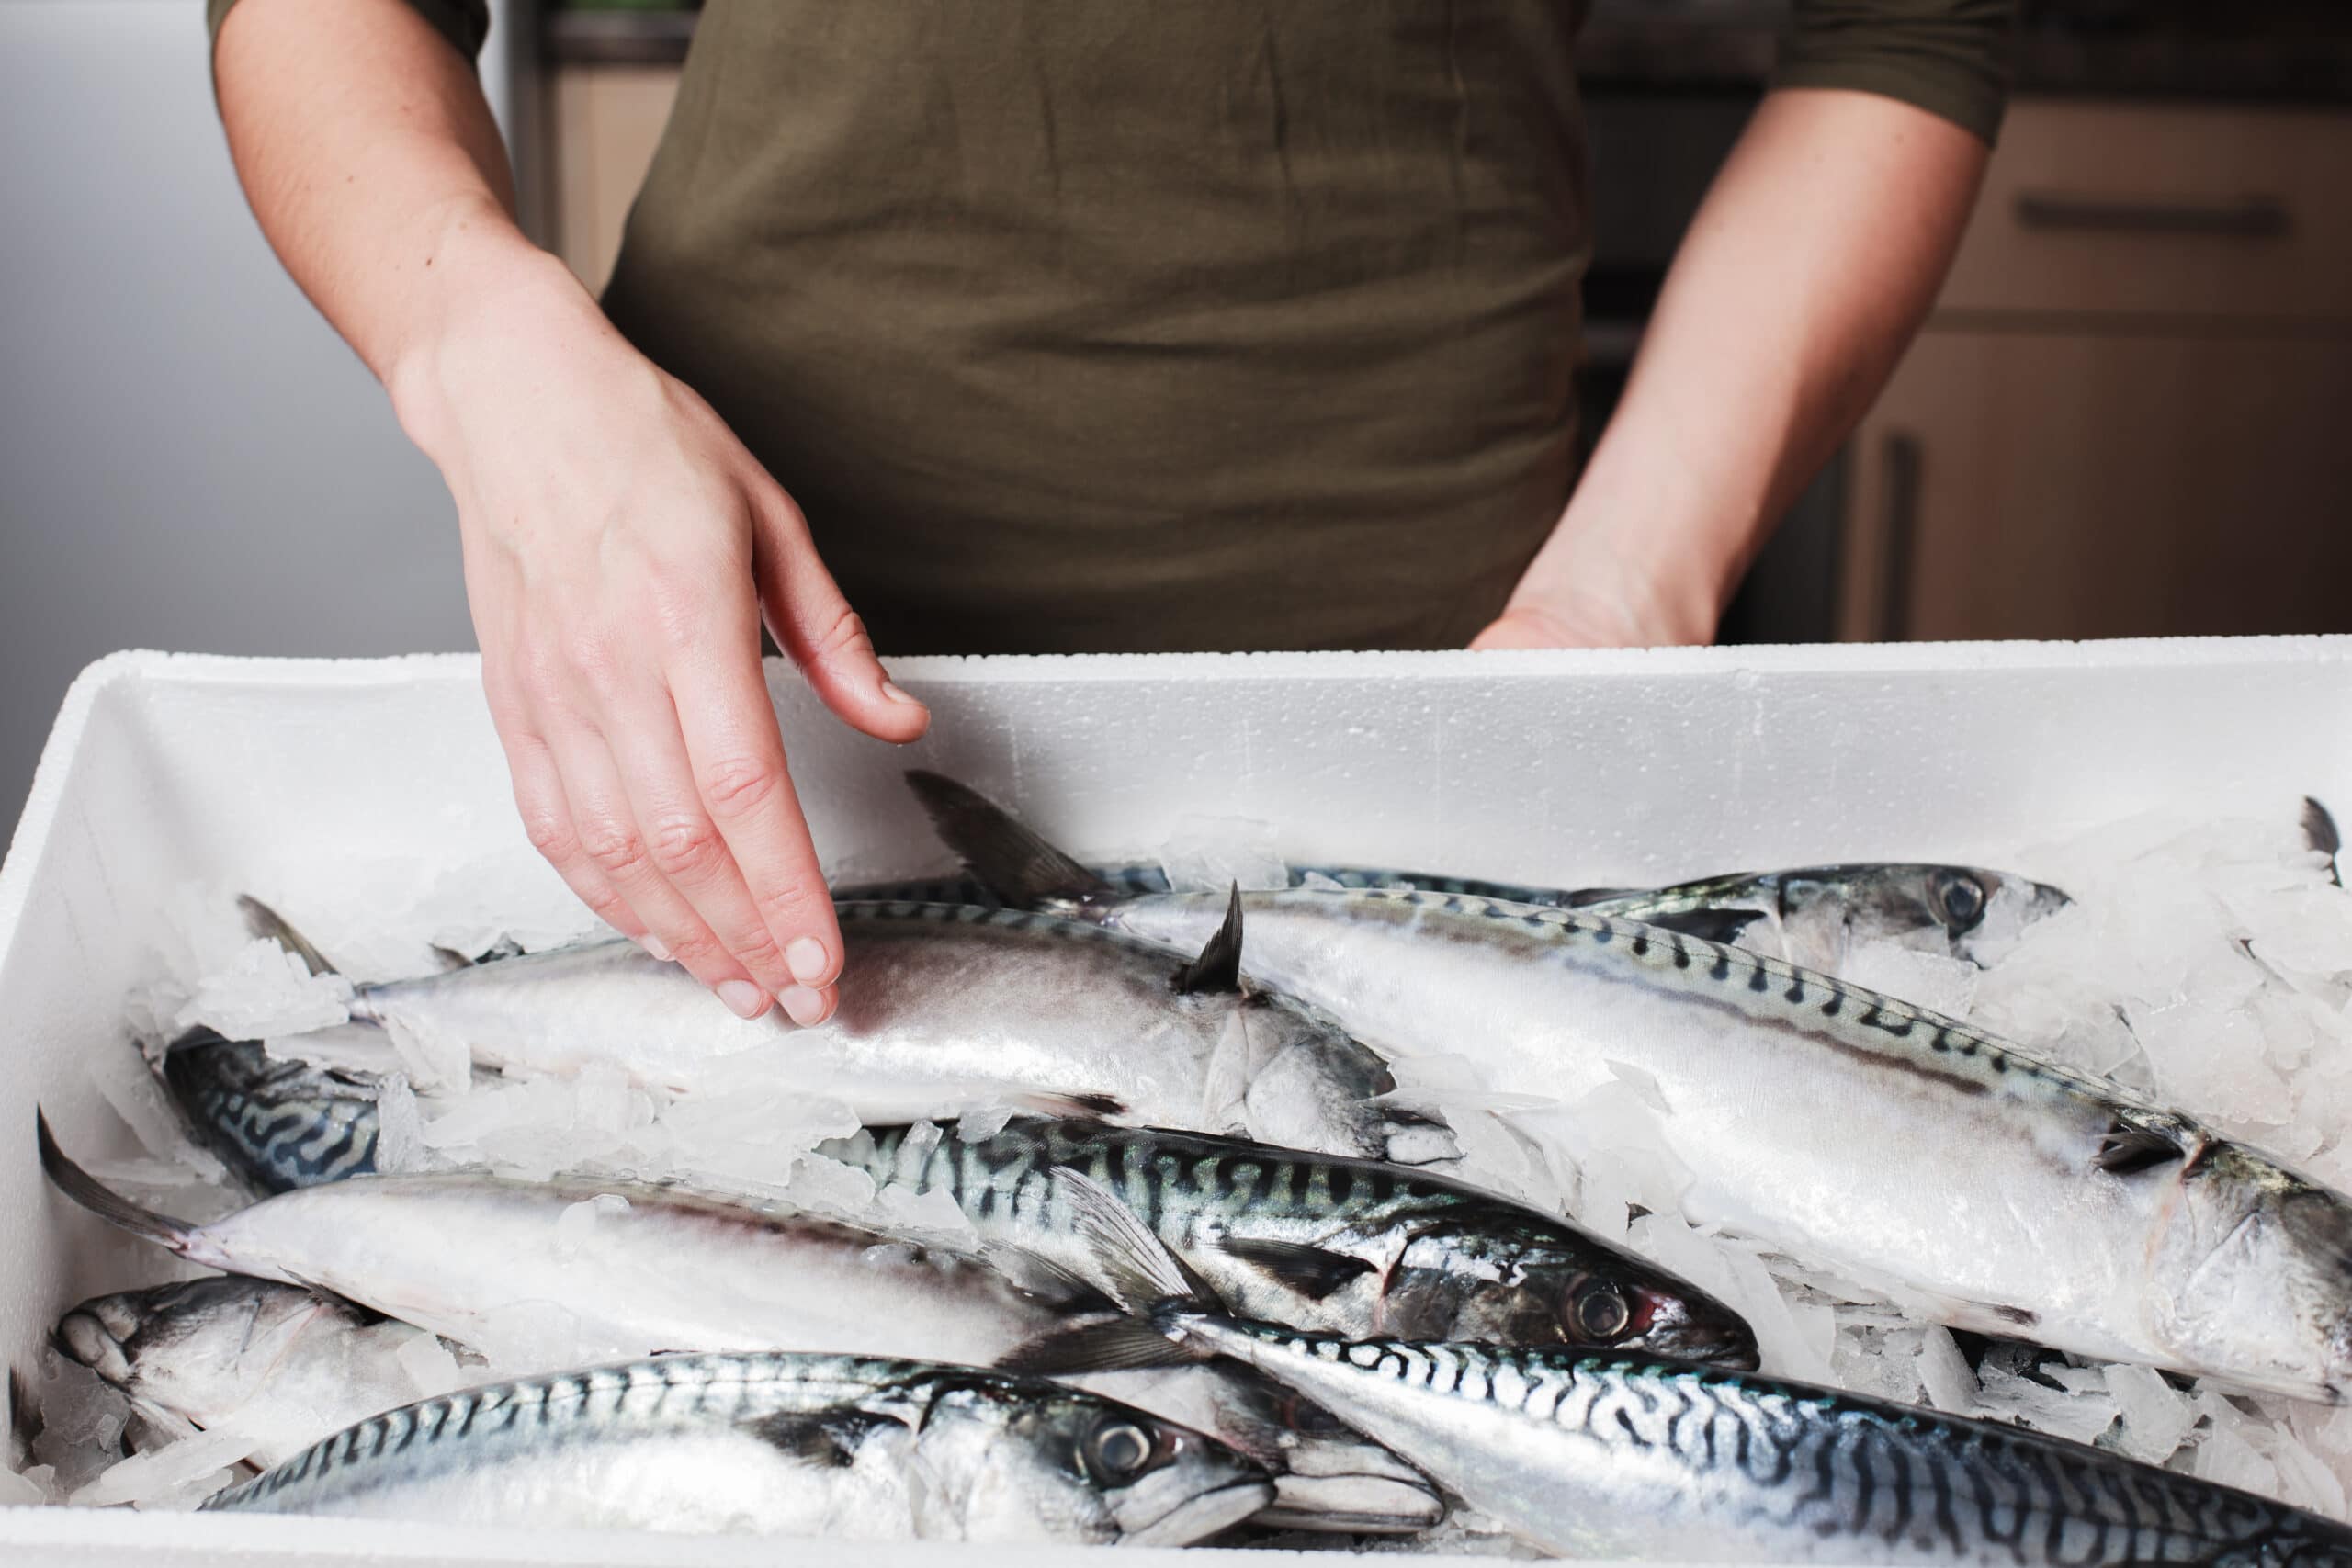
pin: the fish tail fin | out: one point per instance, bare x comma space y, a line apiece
266, 923
1009, 859
109, 1205
1157, 1295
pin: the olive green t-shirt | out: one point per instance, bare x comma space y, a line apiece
1123, 324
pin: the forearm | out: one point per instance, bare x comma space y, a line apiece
1810, 263
368, 153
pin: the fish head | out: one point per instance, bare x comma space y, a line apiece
1017, 1458
1326, 1475
203, 1345
1313, 1086
2251, 1273
1543, 1282
1962, 911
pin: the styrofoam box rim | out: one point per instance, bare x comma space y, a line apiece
2216, 668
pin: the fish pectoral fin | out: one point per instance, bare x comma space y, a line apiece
1010, 861
1708, 925
1311, 1271
1099, 1345
2129, 1148
827, 1439
1218, 967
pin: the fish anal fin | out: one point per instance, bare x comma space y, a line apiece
1313, 1271
2128, 1149
826, 1439
1008, 858
267, 924
1218, 967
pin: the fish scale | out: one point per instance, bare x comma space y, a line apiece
1640, 1457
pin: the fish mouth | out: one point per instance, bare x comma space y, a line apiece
1361, 1504
1202, 1514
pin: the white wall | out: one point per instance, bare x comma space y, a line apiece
189, 458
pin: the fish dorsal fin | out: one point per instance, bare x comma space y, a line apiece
1577, 897
267, 924
827, 1439
2129, 1148
2319, 832
1715, 925
1010, 861
1218, 967
450, 958
1310, 1271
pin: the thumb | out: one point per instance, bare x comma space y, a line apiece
821, 635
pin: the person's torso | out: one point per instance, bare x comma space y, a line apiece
1111, 324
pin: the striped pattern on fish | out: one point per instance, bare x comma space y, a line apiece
1324, 1242
844, 1446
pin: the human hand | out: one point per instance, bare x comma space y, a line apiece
620, 547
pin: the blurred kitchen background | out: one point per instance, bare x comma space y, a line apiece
2130, 416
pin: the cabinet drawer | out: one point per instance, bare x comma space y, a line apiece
2209, 211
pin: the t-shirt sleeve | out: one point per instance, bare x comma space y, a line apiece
464, 23
1948, 57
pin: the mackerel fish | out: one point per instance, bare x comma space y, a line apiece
1912, 1153
1350, 1245
1815, 916
276, 1124
842, 1447
1609, 1455
943, 1008
490, 1263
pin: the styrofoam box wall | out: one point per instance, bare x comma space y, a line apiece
1622, 767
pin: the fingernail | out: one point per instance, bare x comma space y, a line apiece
743, 998
898, 694
807, 1005
808, 958
654, 945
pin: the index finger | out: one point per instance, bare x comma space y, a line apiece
737, 754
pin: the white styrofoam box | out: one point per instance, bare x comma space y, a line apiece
1600, 767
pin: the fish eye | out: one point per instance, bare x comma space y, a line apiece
1958, 899
1598, 1311
1118, 1450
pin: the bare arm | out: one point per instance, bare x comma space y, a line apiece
620, 545
1811, 264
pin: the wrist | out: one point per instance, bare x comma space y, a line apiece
486, 291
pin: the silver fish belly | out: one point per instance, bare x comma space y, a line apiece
1355, 1247
792, 1445
1848, 1127
943, 1008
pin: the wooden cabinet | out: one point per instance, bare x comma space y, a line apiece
606, 120
2131, 413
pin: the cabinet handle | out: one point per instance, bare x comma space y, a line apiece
1901, 463
2251, 218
